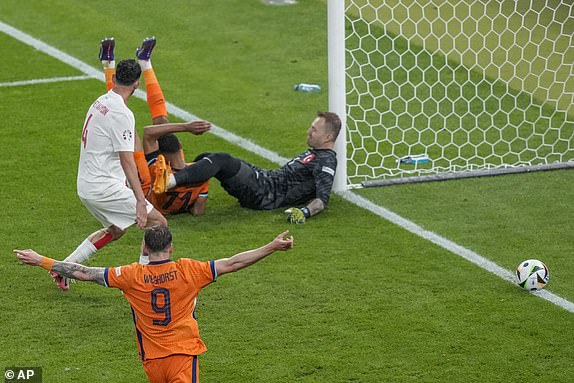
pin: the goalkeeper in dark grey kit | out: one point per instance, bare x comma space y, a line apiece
306, 179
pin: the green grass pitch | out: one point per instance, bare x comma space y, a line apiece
358, 299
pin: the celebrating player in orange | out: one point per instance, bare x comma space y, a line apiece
163, 297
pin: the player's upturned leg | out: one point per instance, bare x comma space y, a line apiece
106, 56
144, 51
155, 98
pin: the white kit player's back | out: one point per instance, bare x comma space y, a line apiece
109, 128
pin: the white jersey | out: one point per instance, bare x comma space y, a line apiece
109, 128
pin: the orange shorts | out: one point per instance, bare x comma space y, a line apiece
172, 369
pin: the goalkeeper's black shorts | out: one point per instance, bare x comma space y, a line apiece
249, 187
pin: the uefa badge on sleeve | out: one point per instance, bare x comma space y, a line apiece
127, 135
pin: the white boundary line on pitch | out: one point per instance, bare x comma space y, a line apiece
356, 199
44, 81
451, 246
172, 109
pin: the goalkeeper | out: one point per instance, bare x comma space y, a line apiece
305, 181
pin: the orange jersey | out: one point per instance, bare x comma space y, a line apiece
163, 296
177, 200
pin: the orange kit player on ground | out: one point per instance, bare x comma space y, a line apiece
163, 297
160, 144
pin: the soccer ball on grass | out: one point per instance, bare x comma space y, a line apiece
532, 274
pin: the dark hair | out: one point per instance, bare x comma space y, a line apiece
128, 72
169, 143
157, 238
332, 122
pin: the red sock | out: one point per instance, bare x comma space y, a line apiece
107, 238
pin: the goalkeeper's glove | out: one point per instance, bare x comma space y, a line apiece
297, 215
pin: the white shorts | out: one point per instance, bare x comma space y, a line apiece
118, 209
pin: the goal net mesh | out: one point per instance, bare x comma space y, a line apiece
457, 85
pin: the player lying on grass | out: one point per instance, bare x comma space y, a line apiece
163, 296
160, 144
306, 179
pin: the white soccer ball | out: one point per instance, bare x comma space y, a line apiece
532, 274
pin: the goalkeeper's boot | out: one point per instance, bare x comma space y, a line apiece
144, 51
107, 46
62, 282
162, 172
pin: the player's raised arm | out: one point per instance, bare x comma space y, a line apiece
66, 269
282, 242
153, 132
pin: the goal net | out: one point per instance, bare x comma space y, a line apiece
452, 88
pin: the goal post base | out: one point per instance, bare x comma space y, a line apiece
468, 174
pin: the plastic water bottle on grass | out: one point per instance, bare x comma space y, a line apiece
416, 159
307, 88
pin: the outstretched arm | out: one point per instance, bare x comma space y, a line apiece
153, 132
66, 269
247, 258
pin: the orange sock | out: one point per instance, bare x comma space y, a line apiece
155, 98
143, 172
109, 72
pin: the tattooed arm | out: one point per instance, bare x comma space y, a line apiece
80, 272
66, 269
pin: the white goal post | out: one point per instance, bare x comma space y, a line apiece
432, 90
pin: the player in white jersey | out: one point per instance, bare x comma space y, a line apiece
107, 167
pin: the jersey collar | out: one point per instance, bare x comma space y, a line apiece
160, 262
